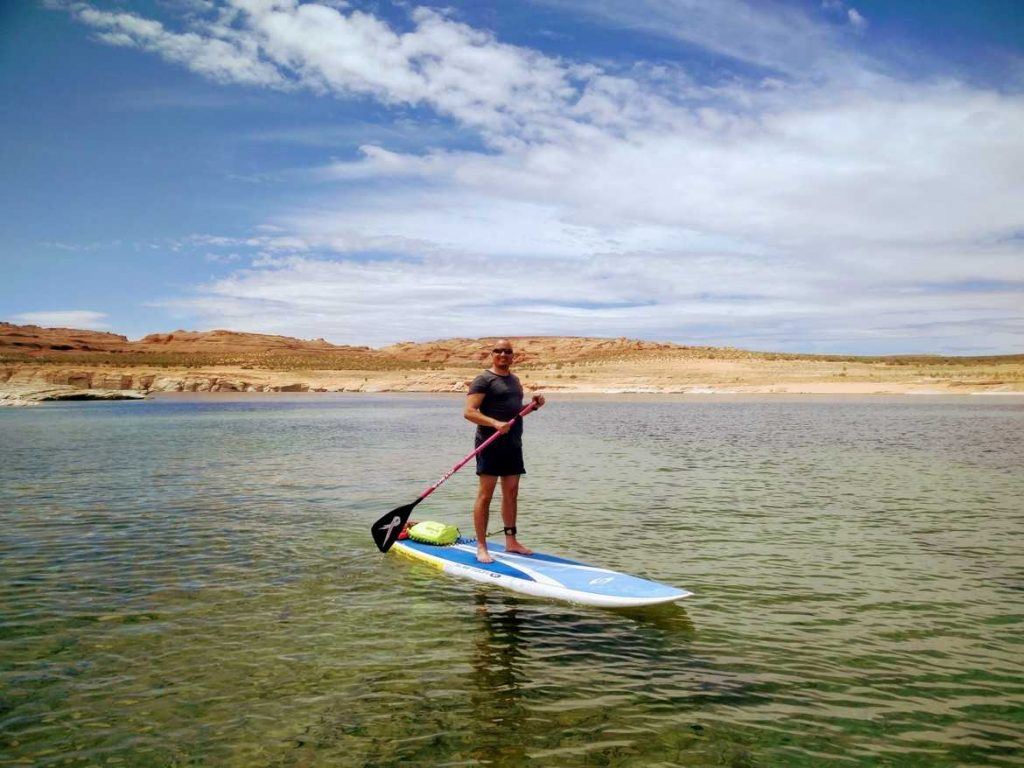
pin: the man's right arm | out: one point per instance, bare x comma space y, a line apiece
473, 413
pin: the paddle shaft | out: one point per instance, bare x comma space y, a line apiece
532, 406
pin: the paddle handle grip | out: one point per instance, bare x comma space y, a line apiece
530, 407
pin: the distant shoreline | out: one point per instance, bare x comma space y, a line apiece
27, 396
38, 364
554, 397
23, 384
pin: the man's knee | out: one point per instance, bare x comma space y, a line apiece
486, 490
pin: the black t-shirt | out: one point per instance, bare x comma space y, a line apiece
503, 400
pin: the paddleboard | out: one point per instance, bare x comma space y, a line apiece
542, 575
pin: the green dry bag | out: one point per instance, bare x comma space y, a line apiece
430, 532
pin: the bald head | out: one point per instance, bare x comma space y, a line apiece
502, 355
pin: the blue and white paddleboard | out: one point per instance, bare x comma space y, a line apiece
542, 575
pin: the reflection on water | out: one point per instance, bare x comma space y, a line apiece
527, 656
498, 678
191, 581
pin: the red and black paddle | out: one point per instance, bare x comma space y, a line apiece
386, 530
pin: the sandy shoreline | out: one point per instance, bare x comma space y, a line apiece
593, 397
9, 399
661, 374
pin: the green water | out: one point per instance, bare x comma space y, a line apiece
192, 582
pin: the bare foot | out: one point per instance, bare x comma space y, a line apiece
483, 556
514, 546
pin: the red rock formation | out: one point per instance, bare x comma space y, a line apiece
529, 349
232, 342
34, 339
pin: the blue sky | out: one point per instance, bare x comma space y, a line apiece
827, 176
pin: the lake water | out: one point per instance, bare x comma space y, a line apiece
192, 582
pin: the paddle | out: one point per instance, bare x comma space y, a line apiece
385, 531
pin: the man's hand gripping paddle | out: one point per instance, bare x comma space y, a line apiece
386, 530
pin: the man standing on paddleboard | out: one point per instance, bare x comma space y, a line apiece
495, 397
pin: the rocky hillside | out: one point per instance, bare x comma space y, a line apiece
62, 345
229, 361
530, 350
33, 340
231, 342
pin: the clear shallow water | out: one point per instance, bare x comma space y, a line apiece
192, 582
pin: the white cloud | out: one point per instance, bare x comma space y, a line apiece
922, 166
720, 298
233, 58
639, 203
282, 44
64, 318
852, 15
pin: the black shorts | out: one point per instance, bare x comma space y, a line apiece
502, 457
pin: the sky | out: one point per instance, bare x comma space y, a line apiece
830, 176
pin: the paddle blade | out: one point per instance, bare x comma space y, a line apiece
385, 531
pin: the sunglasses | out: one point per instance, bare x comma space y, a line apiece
502, 351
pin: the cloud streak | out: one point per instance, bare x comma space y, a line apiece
65, 318
772, 38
